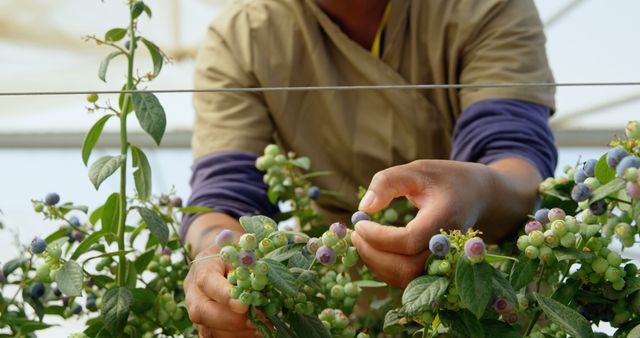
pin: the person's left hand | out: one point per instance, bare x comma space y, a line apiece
448, 194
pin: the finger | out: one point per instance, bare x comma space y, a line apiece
210, 280
396, 270
409, 240
402, 180
213, 333
208, 313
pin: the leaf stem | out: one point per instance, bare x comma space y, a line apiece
537, 313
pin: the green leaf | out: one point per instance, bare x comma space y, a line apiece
603, 172
567, 318
496, 328
115, 34
89, 241
137, 9
66, 207
95, 215
462, 324
422, 292
142, 300
283, 253
567, 291
194, 210
25, 325
282, 330
503, 288
147, 10
370, 284
254, 225
564, 254
121, 101
104, 65
92, 137
281, 278
557, 195
116, 304
474, 283
261, 327
12, 265
156, 56
141, 173
155, 223
110, 214
308, 326
103, 168
491, 258
523, 272
392, 322
143, 260
57, 235
632, 284
302, 162
69, 279
605, 190
299, 261
150, 115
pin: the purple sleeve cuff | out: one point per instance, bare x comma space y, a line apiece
230, 183
490, 130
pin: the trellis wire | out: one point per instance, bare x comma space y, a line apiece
328, 88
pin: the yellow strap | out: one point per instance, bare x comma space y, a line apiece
375, 48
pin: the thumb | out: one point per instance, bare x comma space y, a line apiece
403, 180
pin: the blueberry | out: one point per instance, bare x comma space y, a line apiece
325, 255
633, 190
65, 301
52, 198
532, 226
632, 130
474, 248
38, 245
164, 200
359, 216
439, 245
91, 303
542, 216
580, 192
248, 242
74, 221
229, 255
598, 207
77, 235
614, 156
339, 228
176, 201
247, 258
502, 306
37, 290
57, 292
626, 163
329, 238
266, 246
76, 309
579, 176
272, 150
313, 245
127, 45
224, 238
166, 252
314, 193
589, 167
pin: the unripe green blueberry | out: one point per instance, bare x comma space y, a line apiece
271, 309
327, 315
341, 321
532, 252
299, 308
551, 239
352, 254
351, 290
434, 267
343, 278
229, 255
313, 245
445, 266
244, 284
593, 229
623, 230
261, 268
546, 254
42, 273
280, 240
341, 247
593, 183
600, 265
613, 274
337, 292
595, 278
523, 302
572, 224
327, 325
559, 228
631, 269
38, 207
92, 98
243, 273
165, 261
258, 299
364, 335
272, 150
604, 252
329, 238
266, 246
349, 302
618, 285
568, 240
248, 242
390, 215
621, 318
245, 298
260, 278
632, 130
257, 284
536, 238
523, 242
614, 259
234, 292
594, 244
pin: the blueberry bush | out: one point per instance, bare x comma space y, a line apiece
119, 267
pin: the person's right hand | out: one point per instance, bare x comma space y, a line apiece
208, 302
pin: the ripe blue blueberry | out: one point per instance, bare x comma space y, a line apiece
52, 198
532, 226
38, 245
542, 216
475, 248
74, 221
314, 193
339, 228
579, 176
598, 207
614, 156
326, 255
626, 163
91, 303
556, 214
589, 167
77, 235
359, 216
76, 309
224, 238
247, 258
439, 245
580, 192
37, 290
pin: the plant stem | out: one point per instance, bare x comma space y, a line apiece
536, 314
124, 148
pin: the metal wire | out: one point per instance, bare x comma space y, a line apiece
328, 88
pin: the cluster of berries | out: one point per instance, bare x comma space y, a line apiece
604, 266
339, 291
551, 229
277, 167
338, 324
334, 243
552, 330
506, 310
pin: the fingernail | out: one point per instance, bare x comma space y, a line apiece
250, 324
367, 200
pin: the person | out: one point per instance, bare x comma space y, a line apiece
463, 156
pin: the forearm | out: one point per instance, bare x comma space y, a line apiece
512, 196
205, 228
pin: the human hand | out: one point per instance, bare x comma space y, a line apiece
208, 302
448, 194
